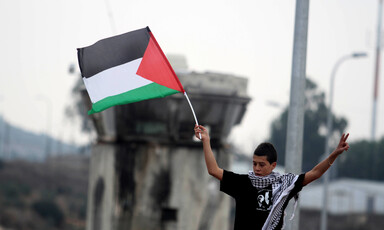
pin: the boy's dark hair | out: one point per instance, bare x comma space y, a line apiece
266, 149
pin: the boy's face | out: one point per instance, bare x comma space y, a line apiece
261, 166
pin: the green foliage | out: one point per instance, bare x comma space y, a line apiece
12, 192
49, 210
29, 191
79, 110
314, 122
62, 190
12, 203
364, 160
82, 213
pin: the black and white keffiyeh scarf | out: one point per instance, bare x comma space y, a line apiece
282, 185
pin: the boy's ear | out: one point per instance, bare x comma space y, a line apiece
274, 165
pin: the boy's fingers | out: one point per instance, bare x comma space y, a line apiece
346, 137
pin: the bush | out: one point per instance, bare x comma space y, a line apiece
12, 192
50, 211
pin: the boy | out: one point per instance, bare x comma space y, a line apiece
262, 195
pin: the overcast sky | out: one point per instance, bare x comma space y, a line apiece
248, 38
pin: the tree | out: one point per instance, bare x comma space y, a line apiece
78, 110
49, 210
363, 161
315, 118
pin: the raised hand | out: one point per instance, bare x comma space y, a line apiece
343, 144
201, 130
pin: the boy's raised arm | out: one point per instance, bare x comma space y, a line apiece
323, 166
212, 167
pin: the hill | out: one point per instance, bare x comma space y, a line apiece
18, 143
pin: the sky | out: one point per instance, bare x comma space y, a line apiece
248, 38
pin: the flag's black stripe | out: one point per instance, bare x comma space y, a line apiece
113, 51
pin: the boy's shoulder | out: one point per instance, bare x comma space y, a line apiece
234, 178
230, 173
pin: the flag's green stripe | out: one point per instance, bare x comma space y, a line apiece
150, 91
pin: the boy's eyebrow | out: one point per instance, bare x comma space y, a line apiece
258, 162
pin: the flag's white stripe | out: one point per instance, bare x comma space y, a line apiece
114, 81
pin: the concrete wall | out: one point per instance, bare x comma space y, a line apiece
135, 186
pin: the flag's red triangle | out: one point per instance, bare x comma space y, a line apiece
155, 67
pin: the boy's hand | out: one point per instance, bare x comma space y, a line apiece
323, 166
201, 130
343, 144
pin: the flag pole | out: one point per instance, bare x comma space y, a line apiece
193, 111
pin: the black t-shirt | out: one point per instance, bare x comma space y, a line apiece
252, 205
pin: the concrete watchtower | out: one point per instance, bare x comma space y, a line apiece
147, 172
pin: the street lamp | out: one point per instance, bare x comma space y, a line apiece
329, 133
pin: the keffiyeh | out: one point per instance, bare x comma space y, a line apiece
281, 187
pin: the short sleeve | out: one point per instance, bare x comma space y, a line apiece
299, 182
298, 185
230, 183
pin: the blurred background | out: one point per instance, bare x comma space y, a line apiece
47, 141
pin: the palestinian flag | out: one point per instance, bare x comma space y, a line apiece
127, 68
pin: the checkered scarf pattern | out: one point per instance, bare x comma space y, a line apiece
281, 186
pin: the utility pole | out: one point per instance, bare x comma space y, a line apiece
377, 72
294, 144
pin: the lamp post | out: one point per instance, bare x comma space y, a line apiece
329, 133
